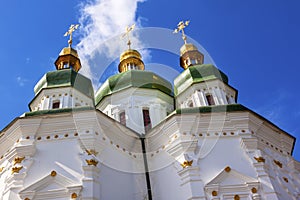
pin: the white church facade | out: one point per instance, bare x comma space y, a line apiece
137, 137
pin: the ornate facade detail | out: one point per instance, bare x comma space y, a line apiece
16, 169
92, 152
18, 160
227, 169
92, 162
259, 159
278, 163
186, 163
53, 173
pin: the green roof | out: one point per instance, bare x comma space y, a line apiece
65, 77
133, 78
197, 74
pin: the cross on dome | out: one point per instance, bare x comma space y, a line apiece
180, 27
128, 29
72, 28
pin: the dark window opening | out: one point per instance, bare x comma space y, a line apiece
55, 105
147, 120
210, 99
191, 104
122, 118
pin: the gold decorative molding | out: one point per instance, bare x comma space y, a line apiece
74, 195
53, 173
259, 159
278, 163
16, 169
186, 163
227, 169
18, 160
1, 169
236, 197
91, 152
92, 162
254, 190
26, 199
214, 193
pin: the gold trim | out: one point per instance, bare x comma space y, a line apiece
16, 169
53, 173
91, 152
1, 169
92, 162
278, 163
74, 195
259, 159
214, 193
254, 190
186, 163
227, 169
18, 160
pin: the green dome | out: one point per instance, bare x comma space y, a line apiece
65, 78
133, 78
197, 74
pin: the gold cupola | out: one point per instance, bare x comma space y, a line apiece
130, 59
68, 57
189, 54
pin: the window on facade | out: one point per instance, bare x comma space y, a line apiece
210, 99
227, 99
55, 104
190, 104
147, 120
131, 66
122, 118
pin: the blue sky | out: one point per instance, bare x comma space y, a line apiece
256, 43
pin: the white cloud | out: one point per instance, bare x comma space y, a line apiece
102, 23
21, 81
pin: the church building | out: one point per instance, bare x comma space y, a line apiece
139, 137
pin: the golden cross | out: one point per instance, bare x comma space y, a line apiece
180, 27
72, 28
128, 29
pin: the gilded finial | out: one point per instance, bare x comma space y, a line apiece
128, 29
180, 27
72, 28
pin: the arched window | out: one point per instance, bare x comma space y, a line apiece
210, 100
122, 117
147, 120
190, 104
